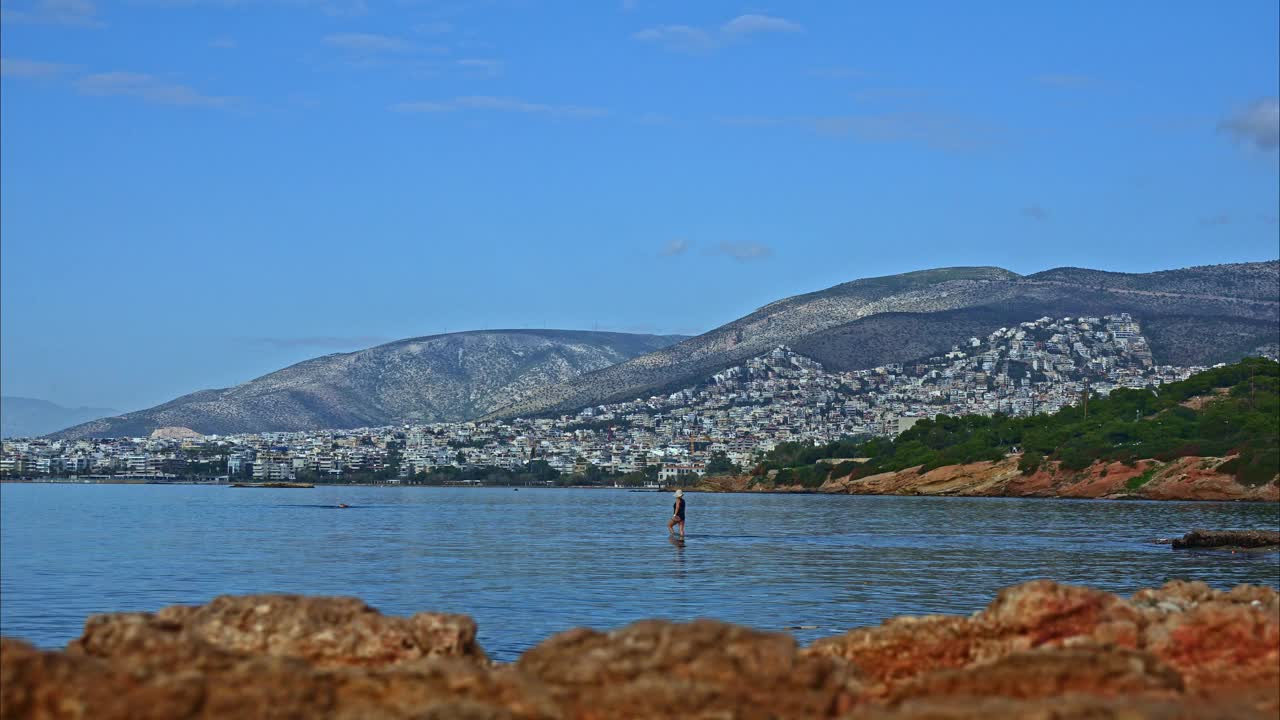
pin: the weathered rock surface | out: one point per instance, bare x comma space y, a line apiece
1185, 478
1040, 650
700, 669
1228, 538
1213, 640
324, 632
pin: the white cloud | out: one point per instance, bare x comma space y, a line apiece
368, 42
18, 67
676, 247
492, 68
433, 28
677, 37
744, 251
935, 130
52, 12
687, 38
1216, 220
1258, 124
223, 43
747, 24
499, 104
147, 88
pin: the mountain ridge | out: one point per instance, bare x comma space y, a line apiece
452, 376
1245, 293
27, 417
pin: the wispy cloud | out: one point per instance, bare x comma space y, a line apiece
433, 28
1035, 212
869, 95
483, 66
324, 342
748, 24
687, 38
147, 88
18, 67
744, 251
1216, 220
653, 118
1066, 81
83, 13
499, 104
368, 42
223, 43
675, 247
1258, 124
934, 130
683, 38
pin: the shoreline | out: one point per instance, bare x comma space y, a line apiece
696, 489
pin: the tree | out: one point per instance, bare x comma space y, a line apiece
720, 464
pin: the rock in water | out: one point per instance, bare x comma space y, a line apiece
1229, 539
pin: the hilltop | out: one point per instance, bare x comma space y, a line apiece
29, 417
1192, 316
456, 376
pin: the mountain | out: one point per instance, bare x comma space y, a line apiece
29, 417
1198, 315
457, 376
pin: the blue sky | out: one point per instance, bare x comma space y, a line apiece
196, 192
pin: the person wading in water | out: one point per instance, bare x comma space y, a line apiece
677, 517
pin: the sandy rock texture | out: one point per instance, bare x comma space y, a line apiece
1040, 650
1185, 478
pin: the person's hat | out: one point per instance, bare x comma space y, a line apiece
679, 493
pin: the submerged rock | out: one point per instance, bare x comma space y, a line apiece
1040, 650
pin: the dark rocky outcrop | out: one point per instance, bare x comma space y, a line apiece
1040, 650
1229, 539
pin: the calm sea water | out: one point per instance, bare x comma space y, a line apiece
529, 563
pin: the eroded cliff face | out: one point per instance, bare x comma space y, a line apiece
1040, 650
1187, 478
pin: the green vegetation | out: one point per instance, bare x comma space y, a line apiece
1137, 482
720, 464
1238, 412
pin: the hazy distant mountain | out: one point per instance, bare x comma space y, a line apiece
1196, 315
29, 417
458, 376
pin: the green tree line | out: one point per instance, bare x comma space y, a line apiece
1241, 415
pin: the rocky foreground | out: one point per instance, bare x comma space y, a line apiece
1040, 650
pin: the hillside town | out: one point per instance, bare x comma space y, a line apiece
736, 415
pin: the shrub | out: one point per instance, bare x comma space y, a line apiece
1030, 462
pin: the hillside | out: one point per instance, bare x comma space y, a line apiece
29, 417
1224, 418
1197, 315
450, 377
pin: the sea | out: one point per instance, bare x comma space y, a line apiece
527, 563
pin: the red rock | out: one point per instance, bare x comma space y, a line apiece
325, 632
701, 669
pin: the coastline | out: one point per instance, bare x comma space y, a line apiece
1182, 479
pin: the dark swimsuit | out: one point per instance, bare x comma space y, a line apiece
679, 508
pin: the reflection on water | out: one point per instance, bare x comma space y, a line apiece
532, 563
